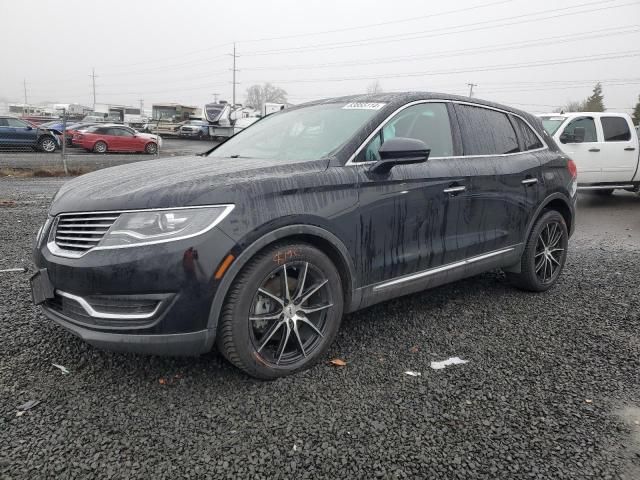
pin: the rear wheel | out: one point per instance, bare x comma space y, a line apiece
282, 312
151, 148
544, 255
100, 147
47, 144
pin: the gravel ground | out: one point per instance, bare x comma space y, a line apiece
551, 390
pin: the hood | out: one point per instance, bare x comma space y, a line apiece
172, 182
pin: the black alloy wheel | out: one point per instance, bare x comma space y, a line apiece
283, 311
544, 254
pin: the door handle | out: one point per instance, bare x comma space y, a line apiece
529, 181
453, 190
629, 149
594, 149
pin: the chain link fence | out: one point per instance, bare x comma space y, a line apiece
72, 145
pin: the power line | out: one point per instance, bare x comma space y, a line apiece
560, 61
554, 40
379, 24
483, 25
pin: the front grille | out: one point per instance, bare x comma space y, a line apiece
80, 232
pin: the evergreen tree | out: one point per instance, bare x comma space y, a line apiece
595, 103
636, 113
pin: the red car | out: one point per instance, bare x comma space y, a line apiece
116, 138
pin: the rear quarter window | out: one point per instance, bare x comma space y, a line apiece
615, 129
485, 131
530, 140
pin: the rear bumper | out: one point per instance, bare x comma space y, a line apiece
178, 344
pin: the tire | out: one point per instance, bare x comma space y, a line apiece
100, 147
604, 192
47, 144
151, 148
540, 266
255, 344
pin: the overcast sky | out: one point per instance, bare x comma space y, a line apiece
172, 51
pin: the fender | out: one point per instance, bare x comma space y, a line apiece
515, 268
547, 201
251, 250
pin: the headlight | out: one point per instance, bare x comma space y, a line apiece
159, 226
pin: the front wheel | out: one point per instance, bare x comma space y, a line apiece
544, 254
47, 144
282, 312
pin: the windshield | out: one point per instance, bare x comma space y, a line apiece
308, 133
552, 124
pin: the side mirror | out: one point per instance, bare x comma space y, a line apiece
400, 151
29, 127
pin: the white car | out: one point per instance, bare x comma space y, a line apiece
604, 146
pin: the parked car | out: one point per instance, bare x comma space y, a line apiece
15, 132
265, 242
75, 128
194, 129
116, 138
604, 146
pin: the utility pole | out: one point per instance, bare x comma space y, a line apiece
93, 77
234, 74
24, 83
471, 85
141, 106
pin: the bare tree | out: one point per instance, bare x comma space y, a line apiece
572, 106
374, 87
258, 95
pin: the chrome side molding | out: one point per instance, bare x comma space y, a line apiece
444, 268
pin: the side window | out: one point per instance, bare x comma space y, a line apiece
486, 132
3, 122
616, 129
530, 140
589, 126
428, 122
123, 132
14, 122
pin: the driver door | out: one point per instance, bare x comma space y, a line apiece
585, 150
403, 213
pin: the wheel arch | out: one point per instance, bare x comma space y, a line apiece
556, 201
320, 238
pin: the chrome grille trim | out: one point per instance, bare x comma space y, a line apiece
74, 234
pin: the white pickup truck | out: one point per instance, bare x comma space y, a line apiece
603, 145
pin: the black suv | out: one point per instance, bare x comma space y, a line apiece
15, 132
263, 243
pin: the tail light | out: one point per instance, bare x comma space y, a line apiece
573, 169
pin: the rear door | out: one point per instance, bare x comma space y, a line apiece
619, 154
585, 151
503, 175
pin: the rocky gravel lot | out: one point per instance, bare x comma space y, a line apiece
551, 389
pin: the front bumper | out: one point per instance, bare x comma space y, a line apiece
179, 344
101, 288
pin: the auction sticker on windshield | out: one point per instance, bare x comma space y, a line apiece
363, 106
